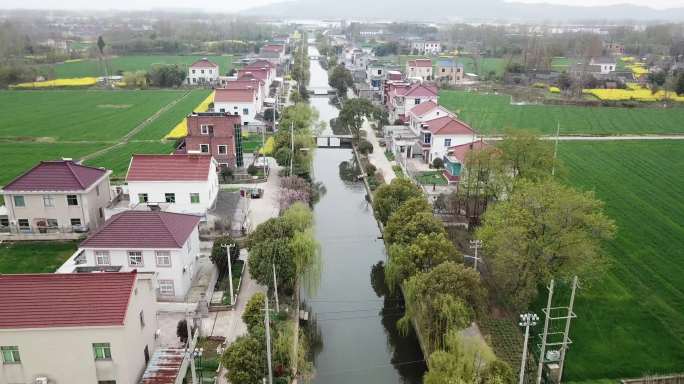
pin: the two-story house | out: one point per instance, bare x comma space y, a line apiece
402, 97
177, 183
605, 65
263, 65
440, 134
250, 82
214, 134
79, 328
163, 243
203, 72
449, 71
419, 69
425, 111
240, 102
57, 196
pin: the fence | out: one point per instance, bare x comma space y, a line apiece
668, 379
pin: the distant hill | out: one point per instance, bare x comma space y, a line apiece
457, 9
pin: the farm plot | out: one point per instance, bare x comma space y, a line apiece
133, 63
77, 115
631, 322
170, 118
119, 158
35, 257
19, 157
493, 114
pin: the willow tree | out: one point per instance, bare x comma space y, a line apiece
389, 197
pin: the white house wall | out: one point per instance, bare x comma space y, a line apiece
238, 107
156, 191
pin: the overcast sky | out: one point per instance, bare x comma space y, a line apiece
237, 5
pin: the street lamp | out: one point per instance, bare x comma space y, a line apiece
527, 320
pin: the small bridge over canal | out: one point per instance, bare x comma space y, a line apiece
334, 141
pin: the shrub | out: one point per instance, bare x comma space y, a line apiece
365, 147
438, 163
252, 170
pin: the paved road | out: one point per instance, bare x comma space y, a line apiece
601, 138
378, 158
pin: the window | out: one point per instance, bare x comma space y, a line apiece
23, 223
75, 222
194, 80
142, 319
245, 111
193, 71
143, 198
166, 287
447, 143
426, 138
223, 110
19, 201
4, 222
204, 148
10, 354
102, 351
170, 197
202, 71
49, 201
97, 190
222, 149
101, 212
72, 200
194, 198
52, 223
106, 382
135, 258
163, 258
417, 101
204, 129
102, 258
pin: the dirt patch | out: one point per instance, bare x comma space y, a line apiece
115, 106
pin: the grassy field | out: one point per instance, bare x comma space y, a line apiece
169, 119
489, 113
18, 157
34, 257
78, 115
132, 63
118, 159
632, 321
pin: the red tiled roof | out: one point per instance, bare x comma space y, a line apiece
259, 64
64, 300
243, 84
169, 167
461, 151
256, 73
224, 95
420, 63
447, 125
424, 107
56, 176
421, 90
273, 48
143, 229
204, 63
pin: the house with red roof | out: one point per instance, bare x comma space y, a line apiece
163, 243
203, 72
456, 157
440, 134
426, 111
243, 102
78, 328
249, 82
402, 97
56, 197
419, 69
213, 133
183, 183
265, 65
273, 51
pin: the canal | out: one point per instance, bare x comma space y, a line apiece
354, 315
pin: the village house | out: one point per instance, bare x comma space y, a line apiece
425, 111
163, 243
449, 71
250, 82
264, 65
213, 133
426, 47
59, 196
276, 51
241, 102
606, 65
440, 134
456, 157
419, 69
175, 183
203, 72
79, 328
615, 49
402, 97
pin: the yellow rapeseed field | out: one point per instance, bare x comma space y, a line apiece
74, 82
632, 94
181, 130
554, 89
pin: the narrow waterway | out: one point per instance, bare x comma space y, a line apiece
354, 315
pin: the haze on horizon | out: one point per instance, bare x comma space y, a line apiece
240, 5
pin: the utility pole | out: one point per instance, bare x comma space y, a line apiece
566, 339
268, 343
230, 271
542, 349
275, 288
527, 320
555, 150
291, 145
190, 347
476, 244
